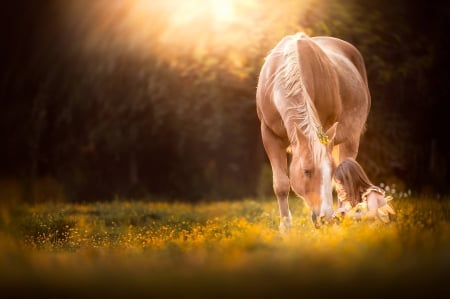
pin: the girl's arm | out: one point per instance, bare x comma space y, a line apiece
375, 200
378, 207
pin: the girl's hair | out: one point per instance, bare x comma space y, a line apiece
353, 178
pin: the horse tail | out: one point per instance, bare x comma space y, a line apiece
358, 61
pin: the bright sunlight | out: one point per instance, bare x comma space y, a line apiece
170, 26
223, 10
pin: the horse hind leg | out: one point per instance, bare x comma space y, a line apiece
348, 149
276, 152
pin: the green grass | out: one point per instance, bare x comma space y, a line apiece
217, 250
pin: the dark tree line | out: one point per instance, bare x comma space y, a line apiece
112, 120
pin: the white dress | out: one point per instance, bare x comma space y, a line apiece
384, 213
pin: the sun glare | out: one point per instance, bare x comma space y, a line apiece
223, 10
225, 30
218, 11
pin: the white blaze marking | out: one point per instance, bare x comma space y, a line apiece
325, 194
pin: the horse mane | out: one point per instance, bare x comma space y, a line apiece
301, 111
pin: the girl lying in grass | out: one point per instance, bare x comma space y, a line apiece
358, 198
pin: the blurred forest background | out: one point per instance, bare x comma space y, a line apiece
105, 98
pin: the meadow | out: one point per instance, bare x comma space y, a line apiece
223, 249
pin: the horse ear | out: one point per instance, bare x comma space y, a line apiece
331, 132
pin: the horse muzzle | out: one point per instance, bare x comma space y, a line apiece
316, 219
320, 219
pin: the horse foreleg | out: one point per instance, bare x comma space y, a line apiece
276, 152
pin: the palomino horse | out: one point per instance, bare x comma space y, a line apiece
313, 98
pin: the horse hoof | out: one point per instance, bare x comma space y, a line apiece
285, 225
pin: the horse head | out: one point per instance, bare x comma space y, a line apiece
311, 171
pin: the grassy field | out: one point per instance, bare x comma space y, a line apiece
225, 249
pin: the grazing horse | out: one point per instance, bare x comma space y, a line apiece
313, 100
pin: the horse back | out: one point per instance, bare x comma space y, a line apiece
332, 75
353, 84
346, 49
